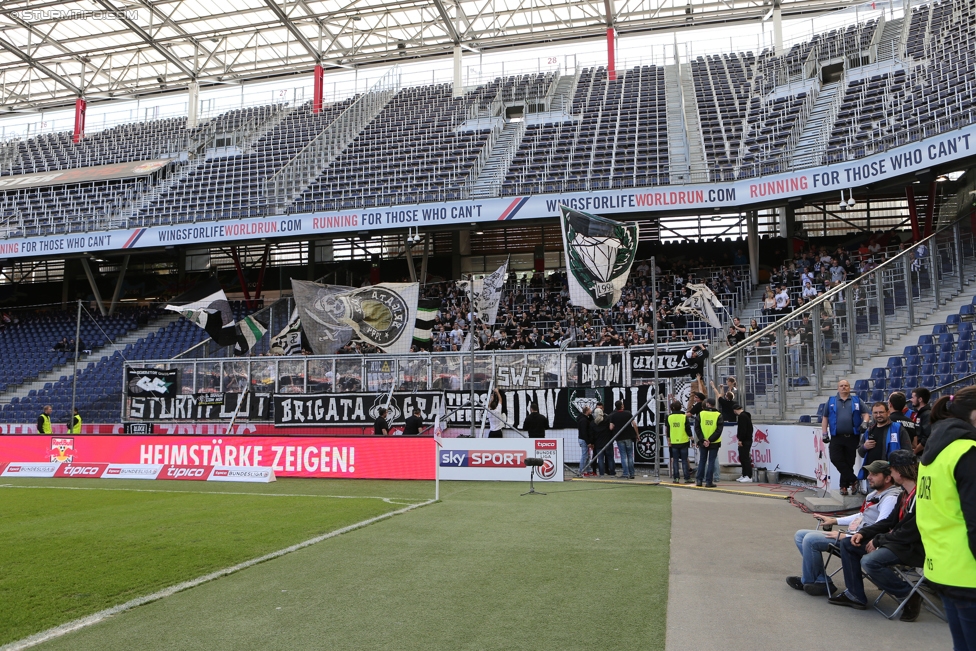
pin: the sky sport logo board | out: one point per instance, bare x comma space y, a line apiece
483, 458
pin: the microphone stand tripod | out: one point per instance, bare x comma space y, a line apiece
532, 490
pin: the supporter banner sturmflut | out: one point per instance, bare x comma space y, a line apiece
353, 408
256, 407
151, 382
599, 254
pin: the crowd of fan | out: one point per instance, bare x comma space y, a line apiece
536, 313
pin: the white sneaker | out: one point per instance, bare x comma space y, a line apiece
744, 480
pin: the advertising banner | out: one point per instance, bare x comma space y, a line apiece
137, 471
792, 449
347, 457
499, 459
898, 162
600, 369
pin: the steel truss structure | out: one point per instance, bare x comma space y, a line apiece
54, 52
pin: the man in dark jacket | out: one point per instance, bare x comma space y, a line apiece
922, 417
622, 426
535, 423
894, 540
413, 424
744, 435
584, 427
605, 465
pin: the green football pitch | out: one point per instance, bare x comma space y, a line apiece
585, 566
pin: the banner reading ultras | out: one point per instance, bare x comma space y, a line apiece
363, 458
948, 147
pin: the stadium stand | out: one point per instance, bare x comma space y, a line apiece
428, 146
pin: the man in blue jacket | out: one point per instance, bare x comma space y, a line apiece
883, 438
842, 421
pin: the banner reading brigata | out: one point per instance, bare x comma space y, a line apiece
363, 458
898, 162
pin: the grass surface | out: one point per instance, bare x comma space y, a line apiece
584, 567
68, 553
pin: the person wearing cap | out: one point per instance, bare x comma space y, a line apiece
708, 428
947, 511
895, 540
744, 435
878, 505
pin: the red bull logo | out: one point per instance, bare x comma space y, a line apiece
761, 437
62, 450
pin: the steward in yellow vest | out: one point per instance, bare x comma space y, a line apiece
74, 425
44, 421
946, 507
679, 440
708, 429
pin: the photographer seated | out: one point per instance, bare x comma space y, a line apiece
894, 540
878, 505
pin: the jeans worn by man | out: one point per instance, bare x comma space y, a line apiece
707, 459
679, 462
877, 565
878, 505
626, 448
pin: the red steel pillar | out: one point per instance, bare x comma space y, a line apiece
317, 90
611, 59
81, 107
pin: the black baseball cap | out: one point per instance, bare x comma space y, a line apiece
902, 459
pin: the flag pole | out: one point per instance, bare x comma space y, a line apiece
74, 376
658, 453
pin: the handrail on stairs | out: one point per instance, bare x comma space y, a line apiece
816, 303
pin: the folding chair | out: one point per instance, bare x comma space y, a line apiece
833, 551
916, 578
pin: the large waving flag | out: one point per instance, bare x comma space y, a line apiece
207, 306
486, 294
289, 340
382, 315
599, 254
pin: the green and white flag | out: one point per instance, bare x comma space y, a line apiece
599, 254
251, 332
426, 313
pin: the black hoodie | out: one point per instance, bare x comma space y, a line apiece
942, 434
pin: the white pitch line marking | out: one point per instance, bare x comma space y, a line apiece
91, 620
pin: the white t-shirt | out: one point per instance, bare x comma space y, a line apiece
782, 299
495, 423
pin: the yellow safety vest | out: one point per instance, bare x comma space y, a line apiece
709, 423
45, 424
677, 433
948, 558
76, 429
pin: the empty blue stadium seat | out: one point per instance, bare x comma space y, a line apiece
925, 340
859, 385
966, 310
939, 328
928, 381
894, 361
953, 320
877, 396
875, 373
910, 350
896, 384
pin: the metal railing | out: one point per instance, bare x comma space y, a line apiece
521, 370
848, 324
289, 182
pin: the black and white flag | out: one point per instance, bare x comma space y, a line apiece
207, 306
289, 340
599, 254
423, 329
486, 294
382, 315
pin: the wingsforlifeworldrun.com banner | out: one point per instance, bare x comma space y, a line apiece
898, 162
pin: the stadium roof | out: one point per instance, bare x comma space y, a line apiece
52, 52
